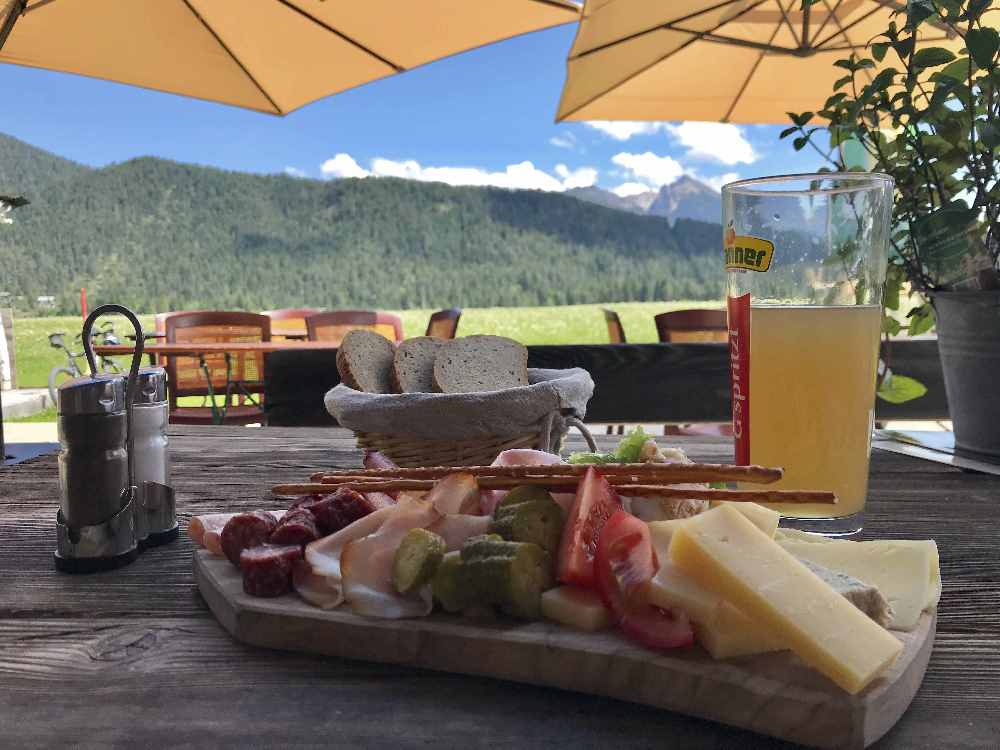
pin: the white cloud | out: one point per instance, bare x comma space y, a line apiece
630, 188
576, 178
622, 130
714, 141
649, 168
523, 175
718, 181
295, 172
342, 165
564, 140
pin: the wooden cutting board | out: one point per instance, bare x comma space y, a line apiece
772, 694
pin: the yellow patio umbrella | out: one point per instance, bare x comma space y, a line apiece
268, 55
748, 61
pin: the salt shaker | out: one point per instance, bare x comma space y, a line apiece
95, 524
155, 516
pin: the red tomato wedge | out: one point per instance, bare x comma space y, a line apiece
623, 567
594, 504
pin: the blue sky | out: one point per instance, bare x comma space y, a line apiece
475, 118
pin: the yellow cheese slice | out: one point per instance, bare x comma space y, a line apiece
727, 554
671, 587
907, 572
763, 518
731, 633
577, 607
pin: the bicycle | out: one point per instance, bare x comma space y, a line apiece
59, 374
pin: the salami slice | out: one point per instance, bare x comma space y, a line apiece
339, 510
244, 531
267, 568
297, 527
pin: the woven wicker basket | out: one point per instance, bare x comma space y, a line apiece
409, 428
410, 452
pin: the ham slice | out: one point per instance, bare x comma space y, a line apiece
366, 565
319, 581
206, 530
489, 499
455, 494
456, 529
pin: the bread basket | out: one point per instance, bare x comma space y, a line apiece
466, 429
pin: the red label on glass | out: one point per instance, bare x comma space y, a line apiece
739, 367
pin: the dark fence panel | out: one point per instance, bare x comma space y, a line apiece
633, 382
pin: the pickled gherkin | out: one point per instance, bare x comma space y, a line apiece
417, 558
512, 575
537, 521
525, 493
450, 584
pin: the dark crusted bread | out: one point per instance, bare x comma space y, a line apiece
480, 363
413, 365
364, 361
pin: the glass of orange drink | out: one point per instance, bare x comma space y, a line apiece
806, 260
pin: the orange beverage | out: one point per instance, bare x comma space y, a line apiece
812, 399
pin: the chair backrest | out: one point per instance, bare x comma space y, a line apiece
692, 326
616, 332
160, 319
444, 323
289, 320
334, 325
185, 374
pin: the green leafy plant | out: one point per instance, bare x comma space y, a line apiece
930, 118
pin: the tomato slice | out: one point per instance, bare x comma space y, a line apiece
623, 567
658, 628
594, 504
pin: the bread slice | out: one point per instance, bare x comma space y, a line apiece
413, 365
364, 361
480, 363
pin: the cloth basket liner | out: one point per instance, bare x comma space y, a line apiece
554, 395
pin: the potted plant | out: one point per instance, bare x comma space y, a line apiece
930, 118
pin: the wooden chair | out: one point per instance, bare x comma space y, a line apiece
289, 323
692, 326
186, 376
444, 323
687, 327
616, 331
334, 325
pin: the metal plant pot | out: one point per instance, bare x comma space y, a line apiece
968, 327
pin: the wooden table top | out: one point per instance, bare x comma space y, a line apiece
212, 347
133, 658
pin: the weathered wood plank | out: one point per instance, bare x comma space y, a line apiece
88, 657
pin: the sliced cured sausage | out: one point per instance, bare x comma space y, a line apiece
298, 526
244, 531
267, 568
339, 510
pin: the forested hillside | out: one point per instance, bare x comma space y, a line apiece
160, 235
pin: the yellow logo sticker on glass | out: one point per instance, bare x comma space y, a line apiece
748, 253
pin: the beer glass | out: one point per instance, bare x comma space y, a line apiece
806, 260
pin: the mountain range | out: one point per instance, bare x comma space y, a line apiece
685, 198
158, 235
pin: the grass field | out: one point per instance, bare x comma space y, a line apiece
571, 324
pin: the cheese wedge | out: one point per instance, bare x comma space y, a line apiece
727, 554
763, 518
731, 633
577, 607
906, 572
